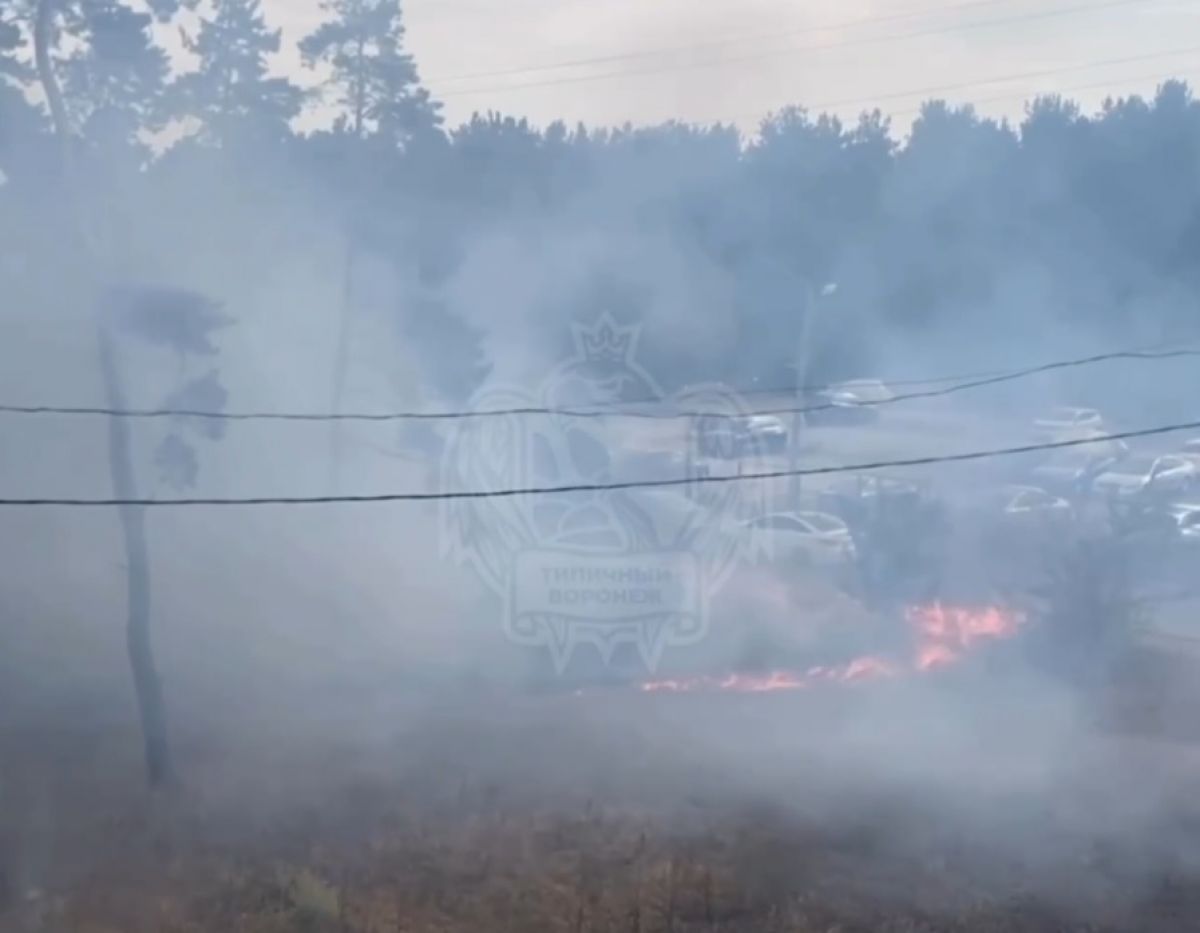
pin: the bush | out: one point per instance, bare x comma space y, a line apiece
1087, 611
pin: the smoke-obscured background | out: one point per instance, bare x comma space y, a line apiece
267, 242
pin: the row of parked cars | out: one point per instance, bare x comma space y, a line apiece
1157, 490
1160, 488
810, 537
1107, 466
847, 403
822, 535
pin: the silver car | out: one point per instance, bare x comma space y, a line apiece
765, 432
1141, 474
807, 537
1066, 421
1030, 501
862, 392
1072, 469
1191, 451
1187, 521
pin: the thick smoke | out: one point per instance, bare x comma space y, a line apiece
304, 648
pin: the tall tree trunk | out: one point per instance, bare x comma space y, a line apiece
360, 88
147, 685
137, 632
342, 353
341, 364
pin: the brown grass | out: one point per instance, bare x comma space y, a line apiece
522, 819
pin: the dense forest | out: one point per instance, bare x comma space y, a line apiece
455, 240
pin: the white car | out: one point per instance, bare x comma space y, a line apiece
1022, 501
1066, 421
863, 391
1072, 469
1154, 526
1146, 473
840, 408
807, 537
768, 431
857, 393
1191, 451
1187, 521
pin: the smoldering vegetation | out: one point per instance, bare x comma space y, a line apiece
355, 735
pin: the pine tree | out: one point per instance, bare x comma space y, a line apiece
114, 79
14, 70
113, 34
230, 92
378, 89
17, 118
375, 80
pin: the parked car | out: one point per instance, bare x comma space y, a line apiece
1067, 421
1072, 469
1097, 444
1031, 501
808, 537
849, 403
1142, 474
728, 438
1156, 524
765, 432
862, 391
1187, 521
871, 486
850, 497
1191, 451
840, 408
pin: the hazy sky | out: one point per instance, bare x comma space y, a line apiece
844, 53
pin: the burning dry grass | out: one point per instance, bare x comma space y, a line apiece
955, 802
621, 813
941, 636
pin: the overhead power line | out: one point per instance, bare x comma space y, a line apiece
1157, 77
959, 387
601, 411
794, 50
719, 44
629, 484
1144, 352
1140, 352
999, 79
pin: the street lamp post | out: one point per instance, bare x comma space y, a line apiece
802, 353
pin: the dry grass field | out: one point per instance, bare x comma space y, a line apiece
363, 758
836, 810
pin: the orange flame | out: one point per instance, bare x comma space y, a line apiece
944, 635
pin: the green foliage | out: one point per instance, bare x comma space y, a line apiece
14, 66
373, 80
114, 78
230, 92
1087, 610
902, 544
19, 123
183, 322
961, 241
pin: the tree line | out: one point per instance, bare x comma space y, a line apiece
1060, 220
